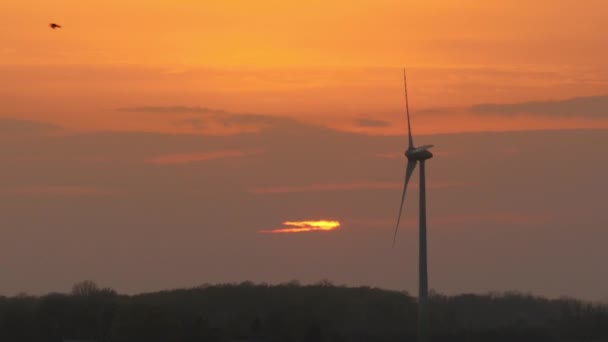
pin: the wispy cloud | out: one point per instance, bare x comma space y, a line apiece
324, 187
187, 158
172, 110
205, 120
372, 123
496, 218
511, 218
63, 191
303, 227
342, 187
205, 113
570, 113
586, 107
579, 112
13, 126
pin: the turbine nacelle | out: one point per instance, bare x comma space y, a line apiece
419, 153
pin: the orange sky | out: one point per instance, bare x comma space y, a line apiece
324, 62
275, 33
305, 53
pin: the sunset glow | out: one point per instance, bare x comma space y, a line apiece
264, 57
304, 226
160, 135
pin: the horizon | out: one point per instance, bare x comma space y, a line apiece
93, 286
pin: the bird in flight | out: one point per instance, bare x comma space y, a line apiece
54, 26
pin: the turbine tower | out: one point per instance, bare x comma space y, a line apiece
415, 155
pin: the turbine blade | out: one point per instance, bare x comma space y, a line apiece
407, 111
422, 148
411, 165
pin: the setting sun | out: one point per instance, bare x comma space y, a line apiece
304, 226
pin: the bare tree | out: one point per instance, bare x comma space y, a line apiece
85, 288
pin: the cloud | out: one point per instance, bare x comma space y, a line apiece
172, 110
494, 218
187, 158
325, 187
313, 94
372, 123
13, 126
63, 191
576, 113
207, 120
593, 107
202, 113
342, 187
197, 124
511, 218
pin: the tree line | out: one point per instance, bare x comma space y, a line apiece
292, 312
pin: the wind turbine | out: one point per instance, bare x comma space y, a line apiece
415, 155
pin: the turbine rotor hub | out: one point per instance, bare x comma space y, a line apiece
418, 155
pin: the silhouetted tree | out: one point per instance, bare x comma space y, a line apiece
290, 312
84, 288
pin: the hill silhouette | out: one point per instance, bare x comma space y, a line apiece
292, 312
